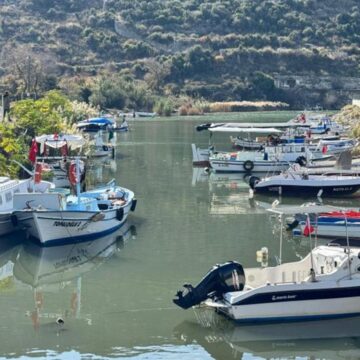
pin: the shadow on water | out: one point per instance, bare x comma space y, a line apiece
326, 339
54, 276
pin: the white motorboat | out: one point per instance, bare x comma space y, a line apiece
323, 285
56, 218
336, 147
10, 187
297, 183
100, 148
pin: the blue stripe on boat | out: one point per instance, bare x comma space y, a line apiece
300, 295
77, 239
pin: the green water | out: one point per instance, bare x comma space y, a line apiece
115, 294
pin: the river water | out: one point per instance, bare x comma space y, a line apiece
115, 293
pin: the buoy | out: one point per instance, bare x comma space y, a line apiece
262, 256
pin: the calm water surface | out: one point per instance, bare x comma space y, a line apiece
115, 294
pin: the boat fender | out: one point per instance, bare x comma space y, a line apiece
253, 181
133, 205
14, 220
248, 165
120, 214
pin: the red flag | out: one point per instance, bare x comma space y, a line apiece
308, 229
33, 151
324, 149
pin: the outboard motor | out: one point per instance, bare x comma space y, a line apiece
203, 127
222, 278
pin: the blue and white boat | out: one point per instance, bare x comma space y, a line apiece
55, 218
325, 284
335, 224
95, 124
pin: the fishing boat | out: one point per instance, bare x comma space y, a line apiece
325, 284
319, 123
56, 218
95, 124
272, 158
10, 187
54, 153
334, 224
99, 148
201, 155
336, 147
301, 183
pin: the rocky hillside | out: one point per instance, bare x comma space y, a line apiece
218, 50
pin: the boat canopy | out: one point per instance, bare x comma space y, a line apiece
246, 130
58, 141
101, 121
234, 127
304, 209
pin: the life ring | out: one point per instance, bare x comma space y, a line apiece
105, 148
72, 174
248, 165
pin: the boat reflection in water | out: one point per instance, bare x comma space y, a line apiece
325, 339
228, 193
58, 270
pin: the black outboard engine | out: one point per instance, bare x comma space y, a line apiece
203, 127
222, 278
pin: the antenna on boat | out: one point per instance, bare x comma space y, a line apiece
312, 271
77, 161
347, 242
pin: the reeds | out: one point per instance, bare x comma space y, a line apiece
233, 106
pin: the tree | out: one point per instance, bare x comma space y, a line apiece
157, 72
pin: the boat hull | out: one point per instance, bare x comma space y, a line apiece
200, 156
304, 190
62, 227
287, 311
239, 166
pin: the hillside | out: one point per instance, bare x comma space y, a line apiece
303, 52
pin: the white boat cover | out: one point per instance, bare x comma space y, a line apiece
304, 209
271, 125
57, 141
245, 130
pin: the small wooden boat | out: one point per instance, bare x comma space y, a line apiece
56, 218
